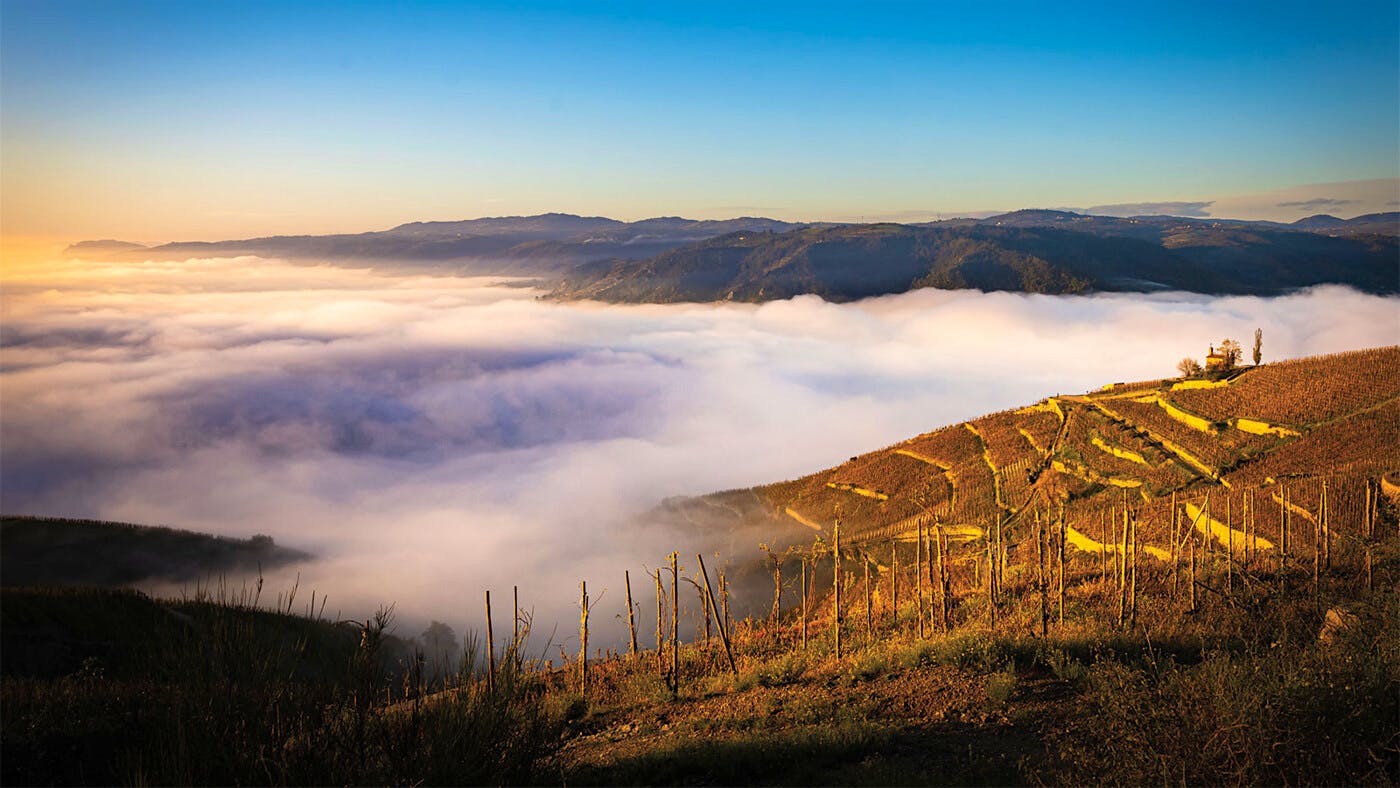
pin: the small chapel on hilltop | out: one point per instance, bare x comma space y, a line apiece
1215, 360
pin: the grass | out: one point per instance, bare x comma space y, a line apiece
1321, 714
807, 756
208, 693
114, 687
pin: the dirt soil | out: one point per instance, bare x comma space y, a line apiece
927, 725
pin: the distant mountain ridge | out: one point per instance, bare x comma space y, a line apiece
1052, 252
547, 244
670, 258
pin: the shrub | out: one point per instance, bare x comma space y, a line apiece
1316, 715
1000, 686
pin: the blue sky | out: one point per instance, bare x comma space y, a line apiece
157, 121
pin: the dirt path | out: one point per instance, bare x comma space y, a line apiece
1223, 533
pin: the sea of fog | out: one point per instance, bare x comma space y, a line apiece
429, 438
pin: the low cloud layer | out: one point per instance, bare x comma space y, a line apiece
1191, 209
434, 437
1317, 204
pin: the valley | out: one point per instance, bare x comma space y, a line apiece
1092, 587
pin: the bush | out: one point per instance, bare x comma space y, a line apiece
870, 665
1000, 686
1318, 715
787, 669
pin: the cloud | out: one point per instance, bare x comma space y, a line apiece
920, 215
1191, 209
431, 437
1316, 204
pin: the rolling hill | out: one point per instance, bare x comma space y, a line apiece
1244, 442
44, 551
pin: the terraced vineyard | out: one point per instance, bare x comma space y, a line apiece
1224, 451
1332, 387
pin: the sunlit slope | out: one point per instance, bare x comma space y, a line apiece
1243, 442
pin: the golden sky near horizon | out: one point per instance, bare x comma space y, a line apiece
34, 227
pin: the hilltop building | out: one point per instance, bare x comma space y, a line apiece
1215, 360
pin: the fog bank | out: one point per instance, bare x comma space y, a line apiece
432, 437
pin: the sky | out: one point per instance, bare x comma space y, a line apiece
155, 121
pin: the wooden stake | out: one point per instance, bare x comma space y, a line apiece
1253, 530
928, 571
869, 614
1369, 587
490, 648
894, 582
1060, 555
1176, 550
999, 551
660, 627
1193, 570
515, 646
724, 604
1248, 501
709, 614
1366, 527
1133, 588
836, 582
583, 641
942, 578
1326, 528
1229, 548
1123, 574
919, 576
1206, 542
675, 625
991, 581
1103, 535
723, 628
1317, 554
1040, 574
631, 619
777, 590
804, 604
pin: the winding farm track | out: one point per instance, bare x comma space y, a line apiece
1190, 460
1088, 544
1293, 507
794, 514
1224, 534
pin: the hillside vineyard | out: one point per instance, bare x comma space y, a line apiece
1234, 450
